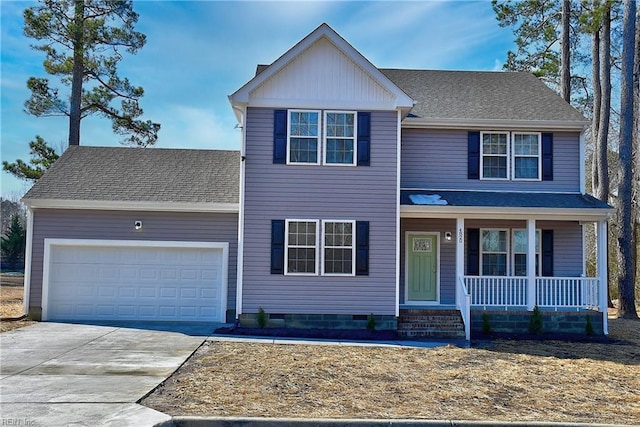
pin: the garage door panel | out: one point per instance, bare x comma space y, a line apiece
147, 283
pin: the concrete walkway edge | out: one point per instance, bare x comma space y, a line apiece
183, 421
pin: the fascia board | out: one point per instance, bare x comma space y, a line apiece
131, 206
486, 124
505, 213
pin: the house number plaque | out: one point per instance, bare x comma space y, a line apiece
421, 244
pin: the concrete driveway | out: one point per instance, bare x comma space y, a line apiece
62, 374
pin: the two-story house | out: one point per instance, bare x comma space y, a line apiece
426, 198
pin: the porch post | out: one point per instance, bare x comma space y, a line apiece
459, 248
531, 264
603, 275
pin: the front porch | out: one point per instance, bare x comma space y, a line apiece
505, 262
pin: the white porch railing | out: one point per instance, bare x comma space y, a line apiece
497, 290
551, 292
463, 299
576, 292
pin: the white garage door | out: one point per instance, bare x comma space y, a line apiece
112, 282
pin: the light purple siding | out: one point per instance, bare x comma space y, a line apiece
365, 193
118, 225
437, 159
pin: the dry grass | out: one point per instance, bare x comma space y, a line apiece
512, 380
11, 306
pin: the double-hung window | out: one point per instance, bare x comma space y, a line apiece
337, 247
494, 247
303, 135
526, 156
520, 247
511, 155
495, 155
301, 255
340, 138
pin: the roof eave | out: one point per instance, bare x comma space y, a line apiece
114, 205
462, 123
505, 213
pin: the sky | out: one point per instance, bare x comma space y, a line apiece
199, 52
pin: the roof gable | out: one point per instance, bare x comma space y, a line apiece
319, 58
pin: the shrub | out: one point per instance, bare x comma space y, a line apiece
589, 327
262, 318
371, 323
486, 325
535, 323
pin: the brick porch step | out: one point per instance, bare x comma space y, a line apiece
430, 323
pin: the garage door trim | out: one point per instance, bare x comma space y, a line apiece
49, 244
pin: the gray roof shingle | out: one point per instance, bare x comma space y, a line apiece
480, 95
508, 200
141, 175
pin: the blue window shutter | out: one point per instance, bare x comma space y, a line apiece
277, 246
473, 155
547, 157
362, 248
547, 253
280, 136
364, 139
473, 251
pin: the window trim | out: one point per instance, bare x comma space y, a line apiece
353, 247
507, 155
286, 247
514, 155
538, 251
354, 138
507, 252
319, 137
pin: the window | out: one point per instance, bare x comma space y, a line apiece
526, 156
301, 247
340, 138
494, 250
520, 252
337, 246
494, 154
303, 137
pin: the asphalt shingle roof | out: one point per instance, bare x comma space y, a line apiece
480, 95
508, 200
141, 175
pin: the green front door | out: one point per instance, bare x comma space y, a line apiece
422, 267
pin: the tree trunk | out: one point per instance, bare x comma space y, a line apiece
565, 75
626, 241
597, 99
75, 112
602, 192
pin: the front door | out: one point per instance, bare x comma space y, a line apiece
422, 267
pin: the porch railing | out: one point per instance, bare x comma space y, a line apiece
497, 290
576, 292
551, 292
464, 305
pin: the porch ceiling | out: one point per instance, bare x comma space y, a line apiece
426, 203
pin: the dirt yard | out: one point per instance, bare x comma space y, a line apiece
11, 306
510, 380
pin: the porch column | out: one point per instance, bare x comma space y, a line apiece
531, 264
603, 275
459, 248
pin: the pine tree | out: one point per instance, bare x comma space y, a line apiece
12, 246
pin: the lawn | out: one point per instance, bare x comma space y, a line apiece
509, 380
11, 306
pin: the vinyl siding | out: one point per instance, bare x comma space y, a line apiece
364, 193
118, 225
437, 159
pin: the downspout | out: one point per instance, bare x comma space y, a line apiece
240, 257
398, 165
27, 261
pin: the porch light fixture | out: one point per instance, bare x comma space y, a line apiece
137, 225
447, 236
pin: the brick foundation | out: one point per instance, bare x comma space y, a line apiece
517, 322
320, 321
